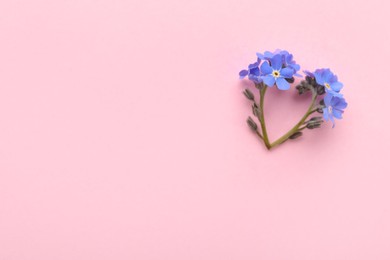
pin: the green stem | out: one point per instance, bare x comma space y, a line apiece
263, 89
298, 125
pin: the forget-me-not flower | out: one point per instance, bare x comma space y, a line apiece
275, 74
287, 59
334, 107
326, 78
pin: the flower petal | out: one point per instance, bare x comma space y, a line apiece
268, 55
288, 58
287, 72
319, 78
328, 99
336, 86
255, 71
332, 119
282, 84
340, 104
243, 73
259, 55
253, 65
327, 75
276, 62
294, 66
325, 114
337, 113
266, 68
333, 93
269, 80
254, 78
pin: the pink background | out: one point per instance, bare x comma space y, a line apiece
123, 134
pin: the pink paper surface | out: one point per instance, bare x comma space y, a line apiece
123, 134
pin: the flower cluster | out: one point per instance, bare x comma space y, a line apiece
279, 68
325, 81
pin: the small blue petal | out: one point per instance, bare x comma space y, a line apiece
325, 114
276, 62
296, 67
288, 58
282, 84
255, 71
319, 78
327, 75
259, 55
268, 55
340, 103
269, 80
287, 72
333, 93
336, 86
243, 73
332, 119
328, 99
253, 65
282, 52
254, 78
337, 113
333, 79
266, 68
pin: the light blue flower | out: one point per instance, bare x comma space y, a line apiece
326, 78
275, 73
334, 107
287, 59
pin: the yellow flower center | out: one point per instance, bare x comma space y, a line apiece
276, 74
327, 85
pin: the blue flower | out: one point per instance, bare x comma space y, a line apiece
253, 72
274, 73
334, 107
326, 78
287, 59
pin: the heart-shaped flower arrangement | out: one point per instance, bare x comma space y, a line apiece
279, 68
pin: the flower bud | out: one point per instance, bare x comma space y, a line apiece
302, 87
295, 135
313, 125
251, 123
320, 90
316, 118
309, 79
248, 94
290, 80
255, 110
319, 110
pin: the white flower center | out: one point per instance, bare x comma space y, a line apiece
276, 73
327, 85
